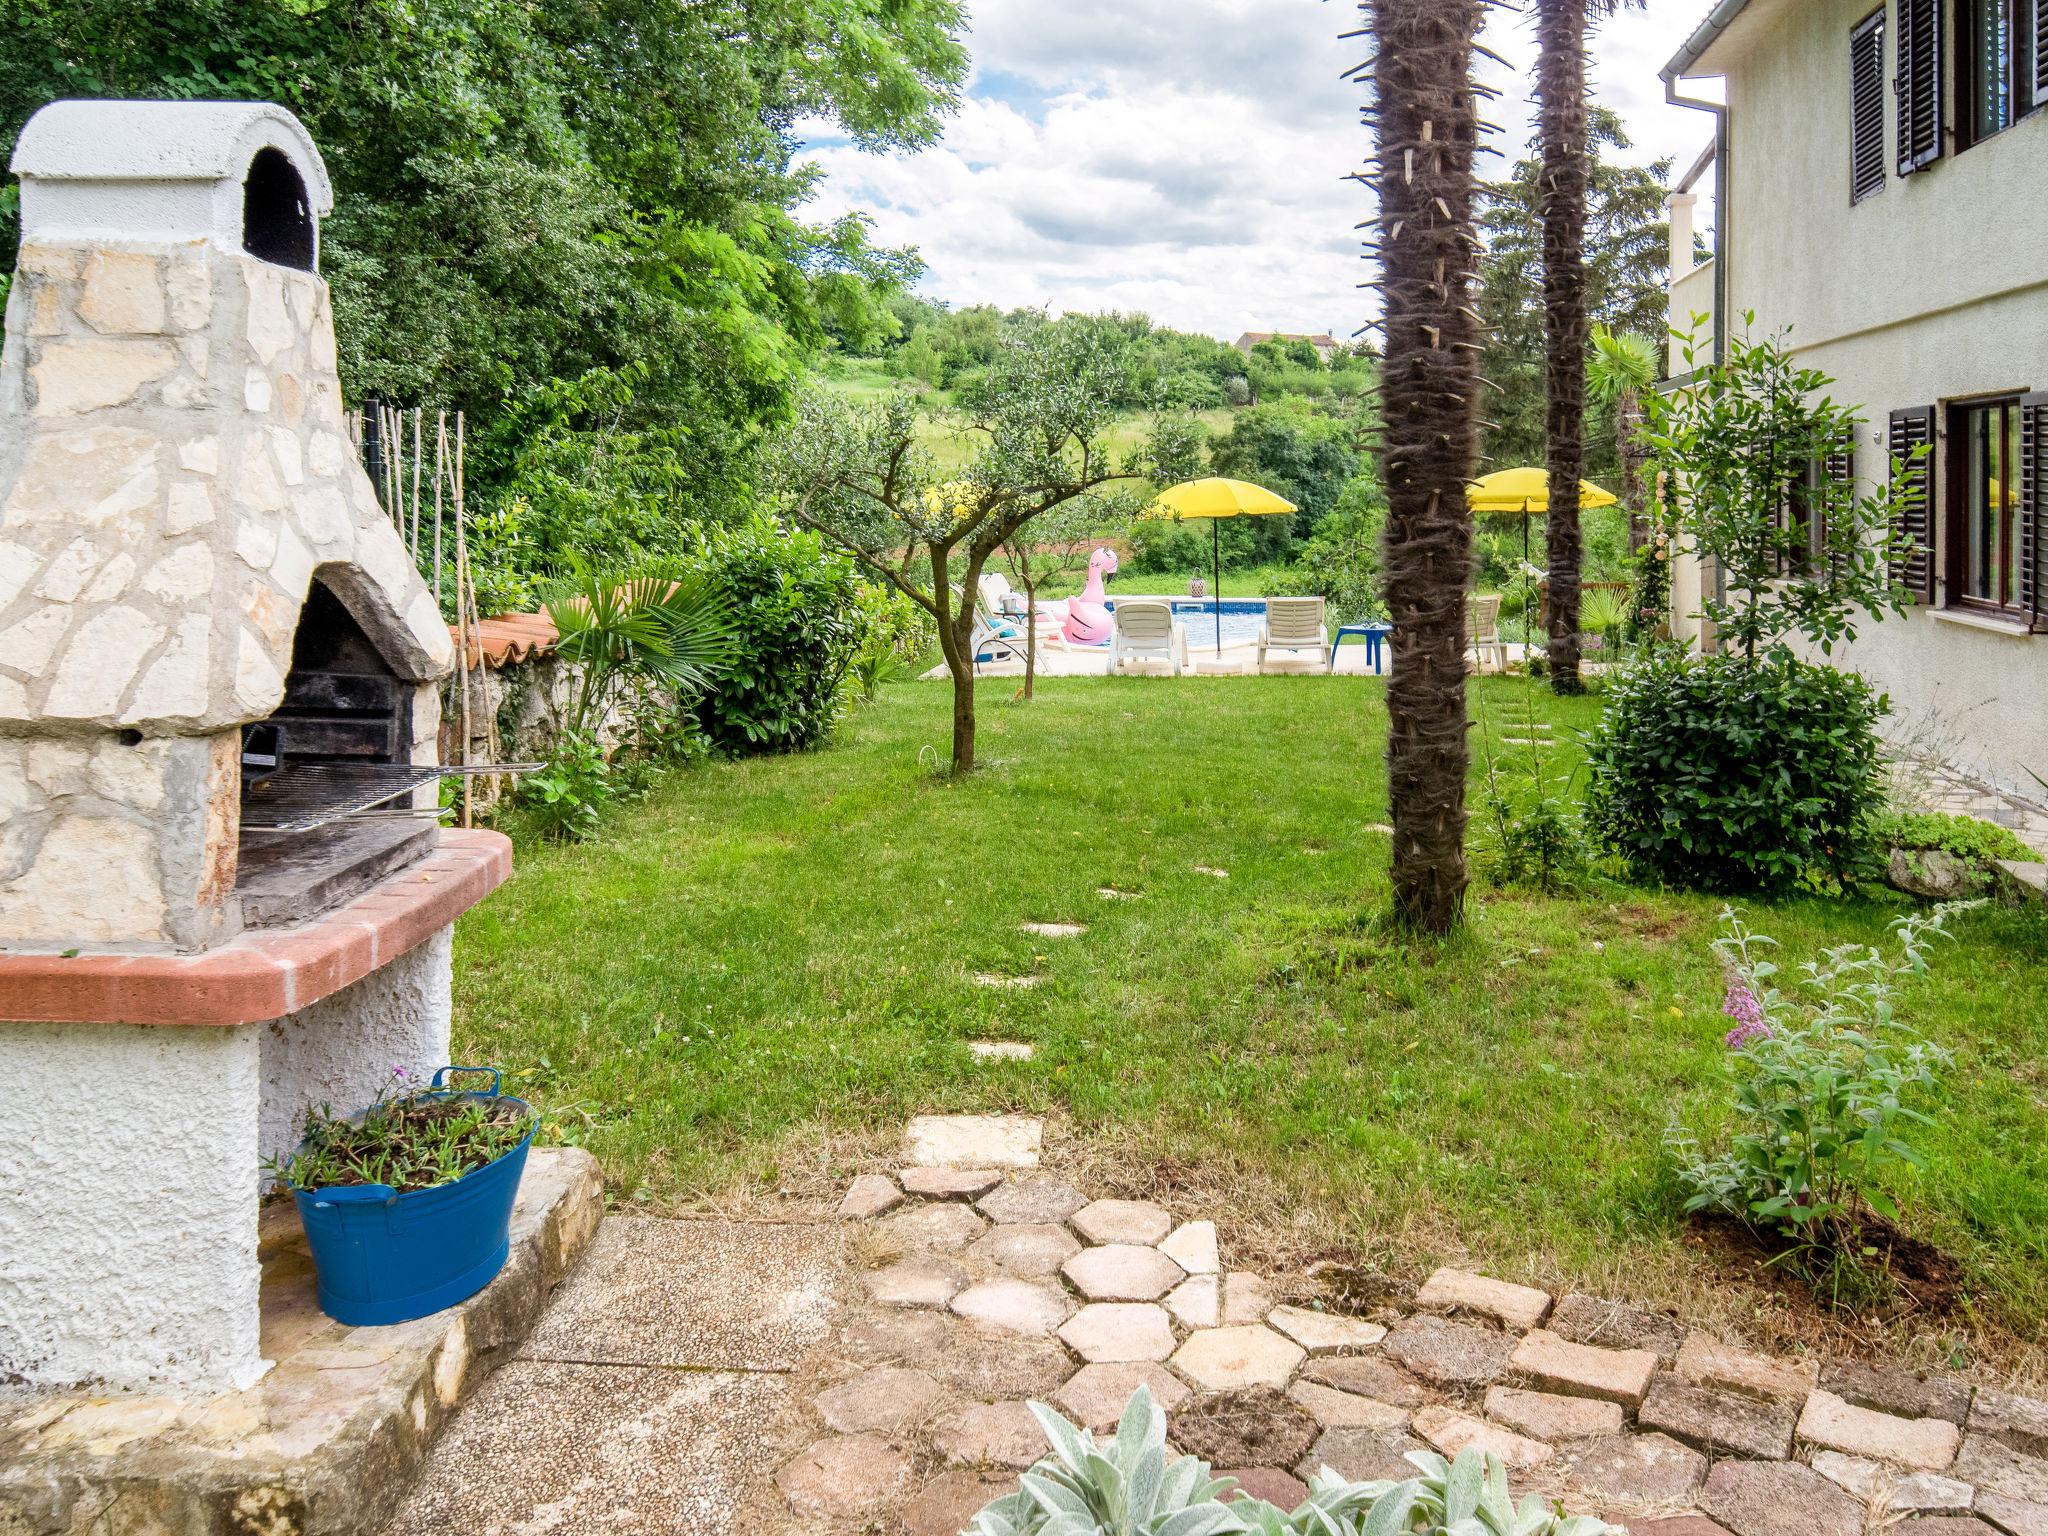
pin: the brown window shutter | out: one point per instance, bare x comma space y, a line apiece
1909, 429
1837, 469
1866, 107
2033, 508
2041, 53
1918, 84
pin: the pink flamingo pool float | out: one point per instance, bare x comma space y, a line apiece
1084, 619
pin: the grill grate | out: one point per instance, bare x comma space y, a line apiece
301, 796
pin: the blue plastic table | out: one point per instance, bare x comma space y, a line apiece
1373, 634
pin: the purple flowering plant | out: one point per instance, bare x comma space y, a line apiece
1827, 1085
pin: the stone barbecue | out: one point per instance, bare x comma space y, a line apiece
212, 643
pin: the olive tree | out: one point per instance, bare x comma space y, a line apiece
868, 478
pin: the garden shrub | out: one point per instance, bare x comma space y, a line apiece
1967, 837
1732, 775
795, 609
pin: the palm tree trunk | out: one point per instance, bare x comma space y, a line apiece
1427, 127
1561, 204
1632, 456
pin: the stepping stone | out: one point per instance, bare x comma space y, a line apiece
1122, 1221
1363, 1455
1246, 1298
1122, 1272
1448, 1354
948, 1503
845, 1476
1590, 1320
1584, 1370
990, 979
1378, 826
1929, 1493
1055, 930
1097, 1395
1260, 1427
975, 1141
1111, 893
2021, 1422
942, 1228
896, 1335
1718, 1421
1705, 1361
1032, 1252
1996, 1468
1324, 1333
1197, 1302
925, 1281
991, 1435
878, 1400
1192, 1245
1000, 1050
950, 1183
1851, 1474
1014, 1306
1225, 1359
1212, 872
1451, 1432
1546, 1416
1914, 1394
1640, 1469
993, 1366
1366, 1376
1113, 1332
1346, 1410
1029, 1202
1512, 1306
1929, 1444
1282, 1490
870, 1195
2017, 1517
1778, 1498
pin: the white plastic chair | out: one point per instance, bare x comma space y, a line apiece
1145, 631
1482, 630
1294, 624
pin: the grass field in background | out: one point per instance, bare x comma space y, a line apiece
768, 955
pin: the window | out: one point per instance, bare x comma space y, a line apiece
1984, 564
1998, 65
1866, 107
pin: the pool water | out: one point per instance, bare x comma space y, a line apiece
1243, 618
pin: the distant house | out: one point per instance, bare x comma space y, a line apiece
1326, 346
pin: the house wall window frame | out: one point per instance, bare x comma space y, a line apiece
1996, 66
1983, 520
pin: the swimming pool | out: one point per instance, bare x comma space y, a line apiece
1243, 617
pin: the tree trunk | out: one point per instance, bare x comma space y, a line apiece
1628, 421
1030, 634
956, 641
1561, 204
1427, 130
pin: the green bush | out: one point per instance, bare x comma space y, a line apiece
1710, 771
795, 609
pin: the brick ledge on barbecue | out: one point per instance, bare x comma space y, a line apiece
265, 974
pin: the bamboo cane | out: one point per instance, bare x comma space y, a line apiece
419, 417
440, 465
462, 612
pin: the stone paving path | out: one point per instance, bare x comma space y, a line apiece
869, 1375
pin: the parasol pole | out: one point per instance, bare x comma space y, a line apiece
1216, 578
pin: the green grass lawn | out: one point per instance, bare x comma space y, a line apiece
756, 974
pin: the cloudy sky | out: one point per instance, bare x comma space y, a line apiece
1185, 157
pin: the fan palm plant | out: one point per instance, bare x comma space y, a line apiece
1426, 117
660, 625
1621, 367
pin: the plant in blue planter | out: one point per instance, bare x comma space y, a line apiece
407, 1204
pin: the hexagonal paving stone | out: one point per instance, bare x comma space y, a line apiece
925, 1281
1107, 1332
1223, 1359
1024, 1201
950, 1183
1451, 1432
1014, 1306
1449, 1354
1097, 1394
991, 1366
1247, 1298
870, 1195
1122, 1272
1362, 1455
880, 1336
884, 1398
1197, 1302
1192, 1245
990, 1434
942, 1228
1122, 1221
975, 1141
1346, 1410
1255, 1428
1032, 1251
1325, 1333
949, 1502
1778, 1498
844, 1476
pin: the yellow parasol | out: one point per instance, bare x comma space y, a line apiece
1215, 499
1525, 493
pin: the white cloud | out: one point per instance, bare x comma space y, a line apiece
1186, 157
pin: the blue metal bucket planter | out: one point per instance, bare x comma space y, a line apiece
387, 1257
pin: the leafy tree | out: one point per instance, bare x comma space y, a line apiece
1426, 125
864, 477
1286, 447
1058, 543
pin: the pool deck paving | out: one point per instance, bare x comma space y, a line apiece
774, 1377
